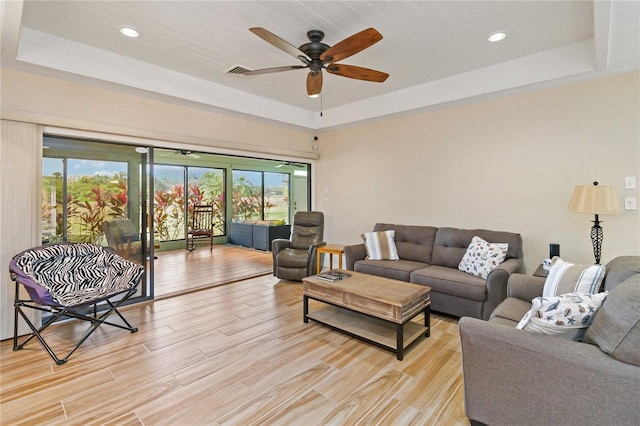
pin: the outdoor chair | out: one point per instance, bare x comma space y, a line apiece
200, 226
69, 280
124, 239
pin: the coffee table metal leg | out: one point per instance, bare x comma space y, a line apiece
427, 320
305, 309
399, 342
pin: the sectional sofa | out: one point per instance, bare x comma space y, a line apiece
430, 256
520, 377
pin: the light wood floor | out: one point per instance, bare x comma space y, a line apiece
179, 271
236, 354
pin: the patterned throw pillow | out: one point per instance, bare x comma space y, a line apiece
565, 277
567, 316
380, 245
482, 257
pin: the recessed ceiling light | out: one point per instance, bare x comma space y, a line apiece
129, 32
314, 96
497, 36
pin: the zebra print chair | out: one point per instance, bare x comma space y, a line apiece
66, 280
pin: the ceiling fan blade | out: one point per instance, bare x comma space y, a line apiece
358, 73
351, 45
271, 70
281, 44
314, 83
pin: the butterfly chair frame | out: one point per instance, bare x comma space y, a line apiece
68, 279
201, 226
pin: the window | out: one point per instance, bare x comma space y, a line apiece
80, 194
205, 186
260, 195
276, 196
168, 202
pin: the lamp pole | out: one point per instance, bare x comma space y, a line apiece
596, 239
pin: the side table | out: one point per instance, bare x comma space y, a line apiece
330, 249
541, 272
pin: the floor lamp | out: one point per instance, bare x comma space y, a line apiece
597, 200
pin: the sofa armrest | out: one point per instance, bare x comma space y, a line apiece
525, 287
354, 253
277, 245
518, 377
497, 285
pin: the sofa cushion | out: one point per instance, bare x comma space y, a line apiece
413, 243
380, 245
451, 281
394, 269
512, 310
482, 257
565, 277
451, 244
293, 258
567, 316
616, 327
619, 269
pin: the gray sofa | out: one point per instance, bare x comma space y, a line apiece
518, 377
430, 256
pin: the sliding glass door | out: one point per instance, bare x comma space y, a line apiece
139, 200
96, 192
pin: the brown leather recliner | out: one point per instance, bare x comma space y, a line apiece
295, 258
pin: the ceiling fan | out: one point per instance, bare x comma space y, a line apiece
183, 152
290, 163
317, 56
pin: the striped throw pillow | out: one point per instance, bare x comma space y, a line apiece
565, 277
380, 245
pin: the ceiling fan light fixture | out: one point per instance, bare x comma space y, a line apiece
497, 36
129, 32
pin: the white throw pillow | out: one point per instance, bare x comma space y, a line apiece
380, 245
565, 277
482, 257
567, 316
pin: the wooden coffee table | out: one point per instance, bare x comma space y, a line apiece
375, 309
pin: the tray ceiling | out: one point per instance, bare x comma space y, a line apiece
436, 52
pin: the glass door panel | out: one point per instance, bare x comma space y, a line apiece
168, 202
93, 192
276, 196
206, 186
247, 195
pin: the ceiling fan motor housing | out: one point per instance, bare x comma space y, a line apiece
314, 49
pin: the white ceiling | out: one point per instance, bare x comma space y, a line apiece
436, 52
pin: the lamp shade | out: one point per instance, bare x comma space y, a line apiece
594, 199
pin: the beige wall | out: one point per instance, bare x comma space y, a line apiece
48, 101
506, 164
